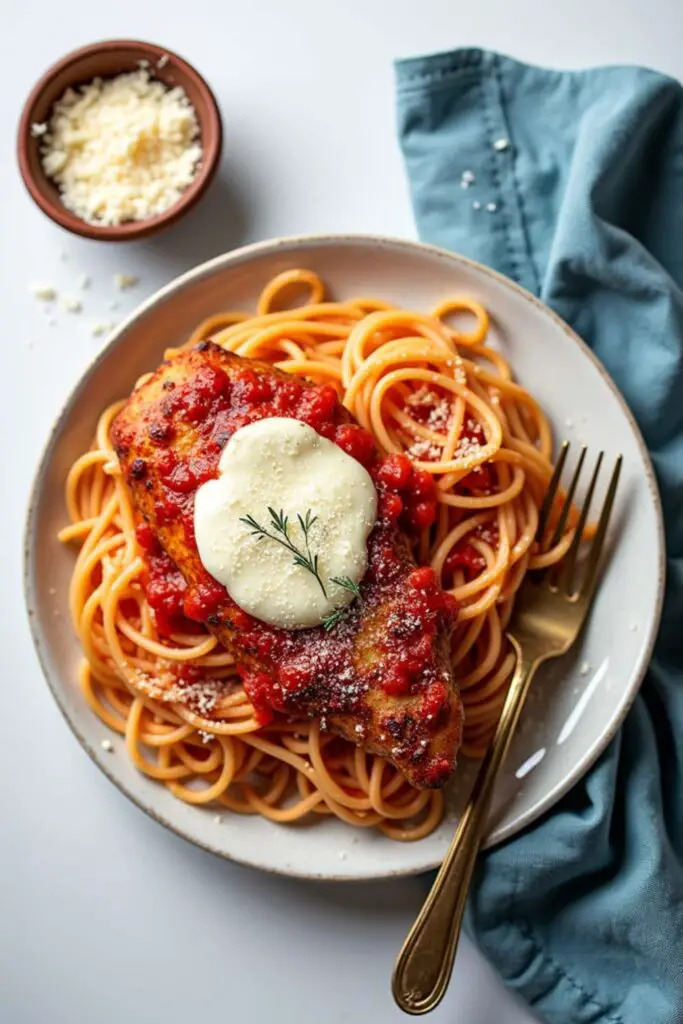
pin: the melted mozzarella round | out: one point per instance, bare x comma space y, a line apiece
284, 464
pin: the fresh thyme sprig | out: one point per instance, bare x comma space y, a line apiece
306, 525
280, 524
347, 583
331, 620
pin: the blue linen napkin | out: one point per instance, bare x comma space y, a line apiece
583, 912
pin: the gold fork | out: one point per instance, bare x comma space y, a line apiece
549, 614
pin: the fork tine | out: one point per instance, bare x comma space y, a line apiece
550, 494
569, 562
559, 529
591, 576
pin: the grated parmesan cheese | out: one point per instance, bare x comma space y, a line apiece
98, 330
423, 396
124, 281
122, 149
440, 415
425, 450
467, 446
44, 292
71, 305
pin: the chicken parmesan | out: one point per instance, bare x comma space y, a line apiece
378, 674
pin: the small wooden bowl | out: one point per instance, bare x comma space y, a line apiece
106, 60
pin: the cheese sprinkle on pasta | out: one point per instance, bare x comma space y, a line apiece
122, 149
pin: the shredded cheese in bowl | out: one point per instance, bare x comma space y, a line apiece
122, 149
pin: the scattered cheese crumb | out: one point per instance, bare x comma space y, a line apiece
124, 281
100, 329
71, 305
342, 855
163, 60
424, 450
633, 627
217, 819
476, 205
467, 446
501, 145
143, 63
44, 292
84, 281
107, 745
423, 396
51, 321
37, 130
491, 207
113, 304
122, 149
467, 179
585, 668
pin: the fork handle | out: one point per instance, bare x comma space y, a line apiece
424, 965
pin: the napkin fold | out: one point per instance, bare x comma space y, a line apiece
578, 196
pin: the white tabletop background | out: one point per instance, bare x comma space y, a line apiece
105, 917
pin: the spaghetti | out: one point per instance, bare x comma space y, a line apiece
424, 388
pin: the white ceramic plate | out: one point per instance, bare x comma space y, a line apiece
576, 705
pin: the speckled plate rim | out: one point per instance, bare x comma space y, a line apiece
294, 243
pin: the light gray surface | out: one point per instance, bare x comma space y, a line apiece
105, 917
